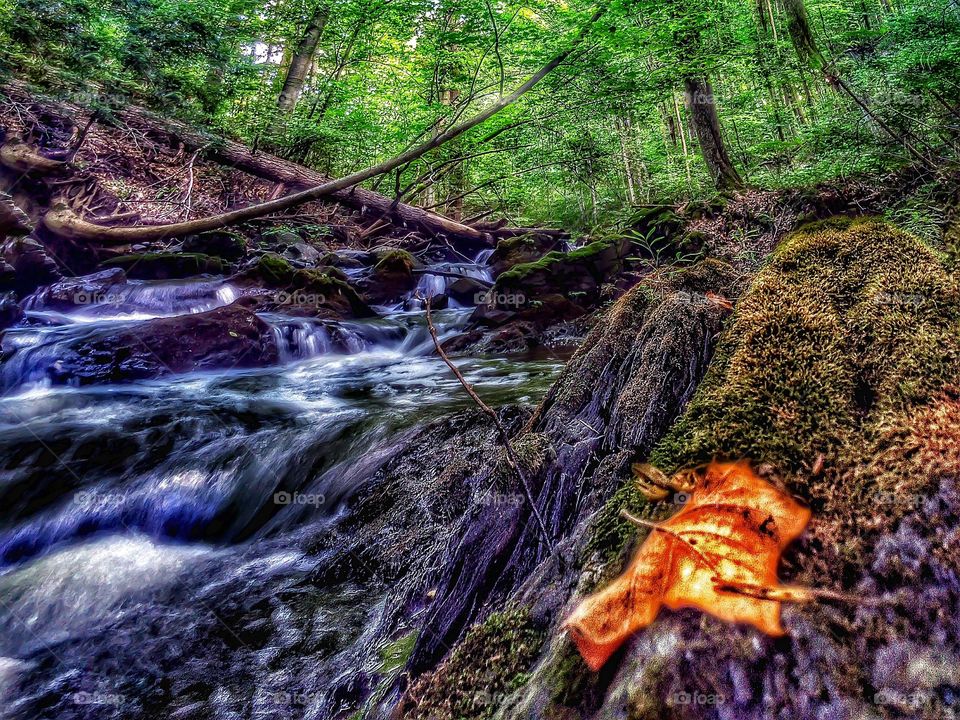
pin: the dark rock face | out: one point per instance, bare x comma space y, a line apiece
614, 400
226, 245
166, 266
227, 337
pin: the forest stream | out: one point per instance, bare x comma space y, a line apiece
479, 360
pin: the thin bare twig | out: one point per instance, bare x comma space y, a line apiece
501, 430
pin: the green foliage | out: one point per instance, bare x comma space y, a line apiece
608, 128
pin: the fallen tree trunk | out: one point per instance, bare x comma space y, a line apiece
270, 167
66, 223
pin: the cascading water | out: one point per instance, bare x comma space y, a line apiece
433, 284
152, 500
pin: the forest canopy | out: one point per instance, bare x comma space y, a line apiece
664, 99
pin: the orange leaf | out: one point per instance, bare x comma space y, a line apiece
718, 554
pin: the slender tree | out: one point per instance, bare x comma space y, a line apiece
302, 58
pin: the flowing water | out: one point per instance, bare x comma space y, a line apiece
111, 495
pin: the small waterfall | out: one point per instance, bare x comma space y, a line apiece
301, 339
93, 298
483, 257
432, 285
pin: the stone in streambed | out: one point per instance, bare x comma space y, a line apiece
392, 277
226, 245
166, 266
228, 337
514, 251
71, 292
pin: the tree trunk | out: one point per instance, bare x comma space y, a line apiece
302, 59
698, 95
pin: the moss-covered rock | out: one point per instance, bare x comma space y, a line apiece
392, 276
850, 325
514, 251
583, 269
323, 292
221, 243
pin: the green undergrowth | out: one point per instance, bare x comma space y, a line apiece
488, 665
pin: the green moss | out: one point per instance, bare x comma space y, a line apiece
274, 268
395, 655
595, 252
395, 261
853, 322
491, 662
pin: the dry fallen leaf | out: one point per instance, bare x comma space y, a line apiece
718, 554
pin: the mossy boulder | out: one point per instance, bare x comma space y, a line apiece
483, 670
578, 274
322, 293
227, 245
166, 266
519, 250
852, 324
392, 276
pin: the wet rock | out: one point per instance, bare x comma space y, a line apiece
10, 312
71, 292
519, 250
321, 293
303, 254
166, 266
32, 263
227, 337
577, 275
392, 277
468, 291
515, 326
226, 245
